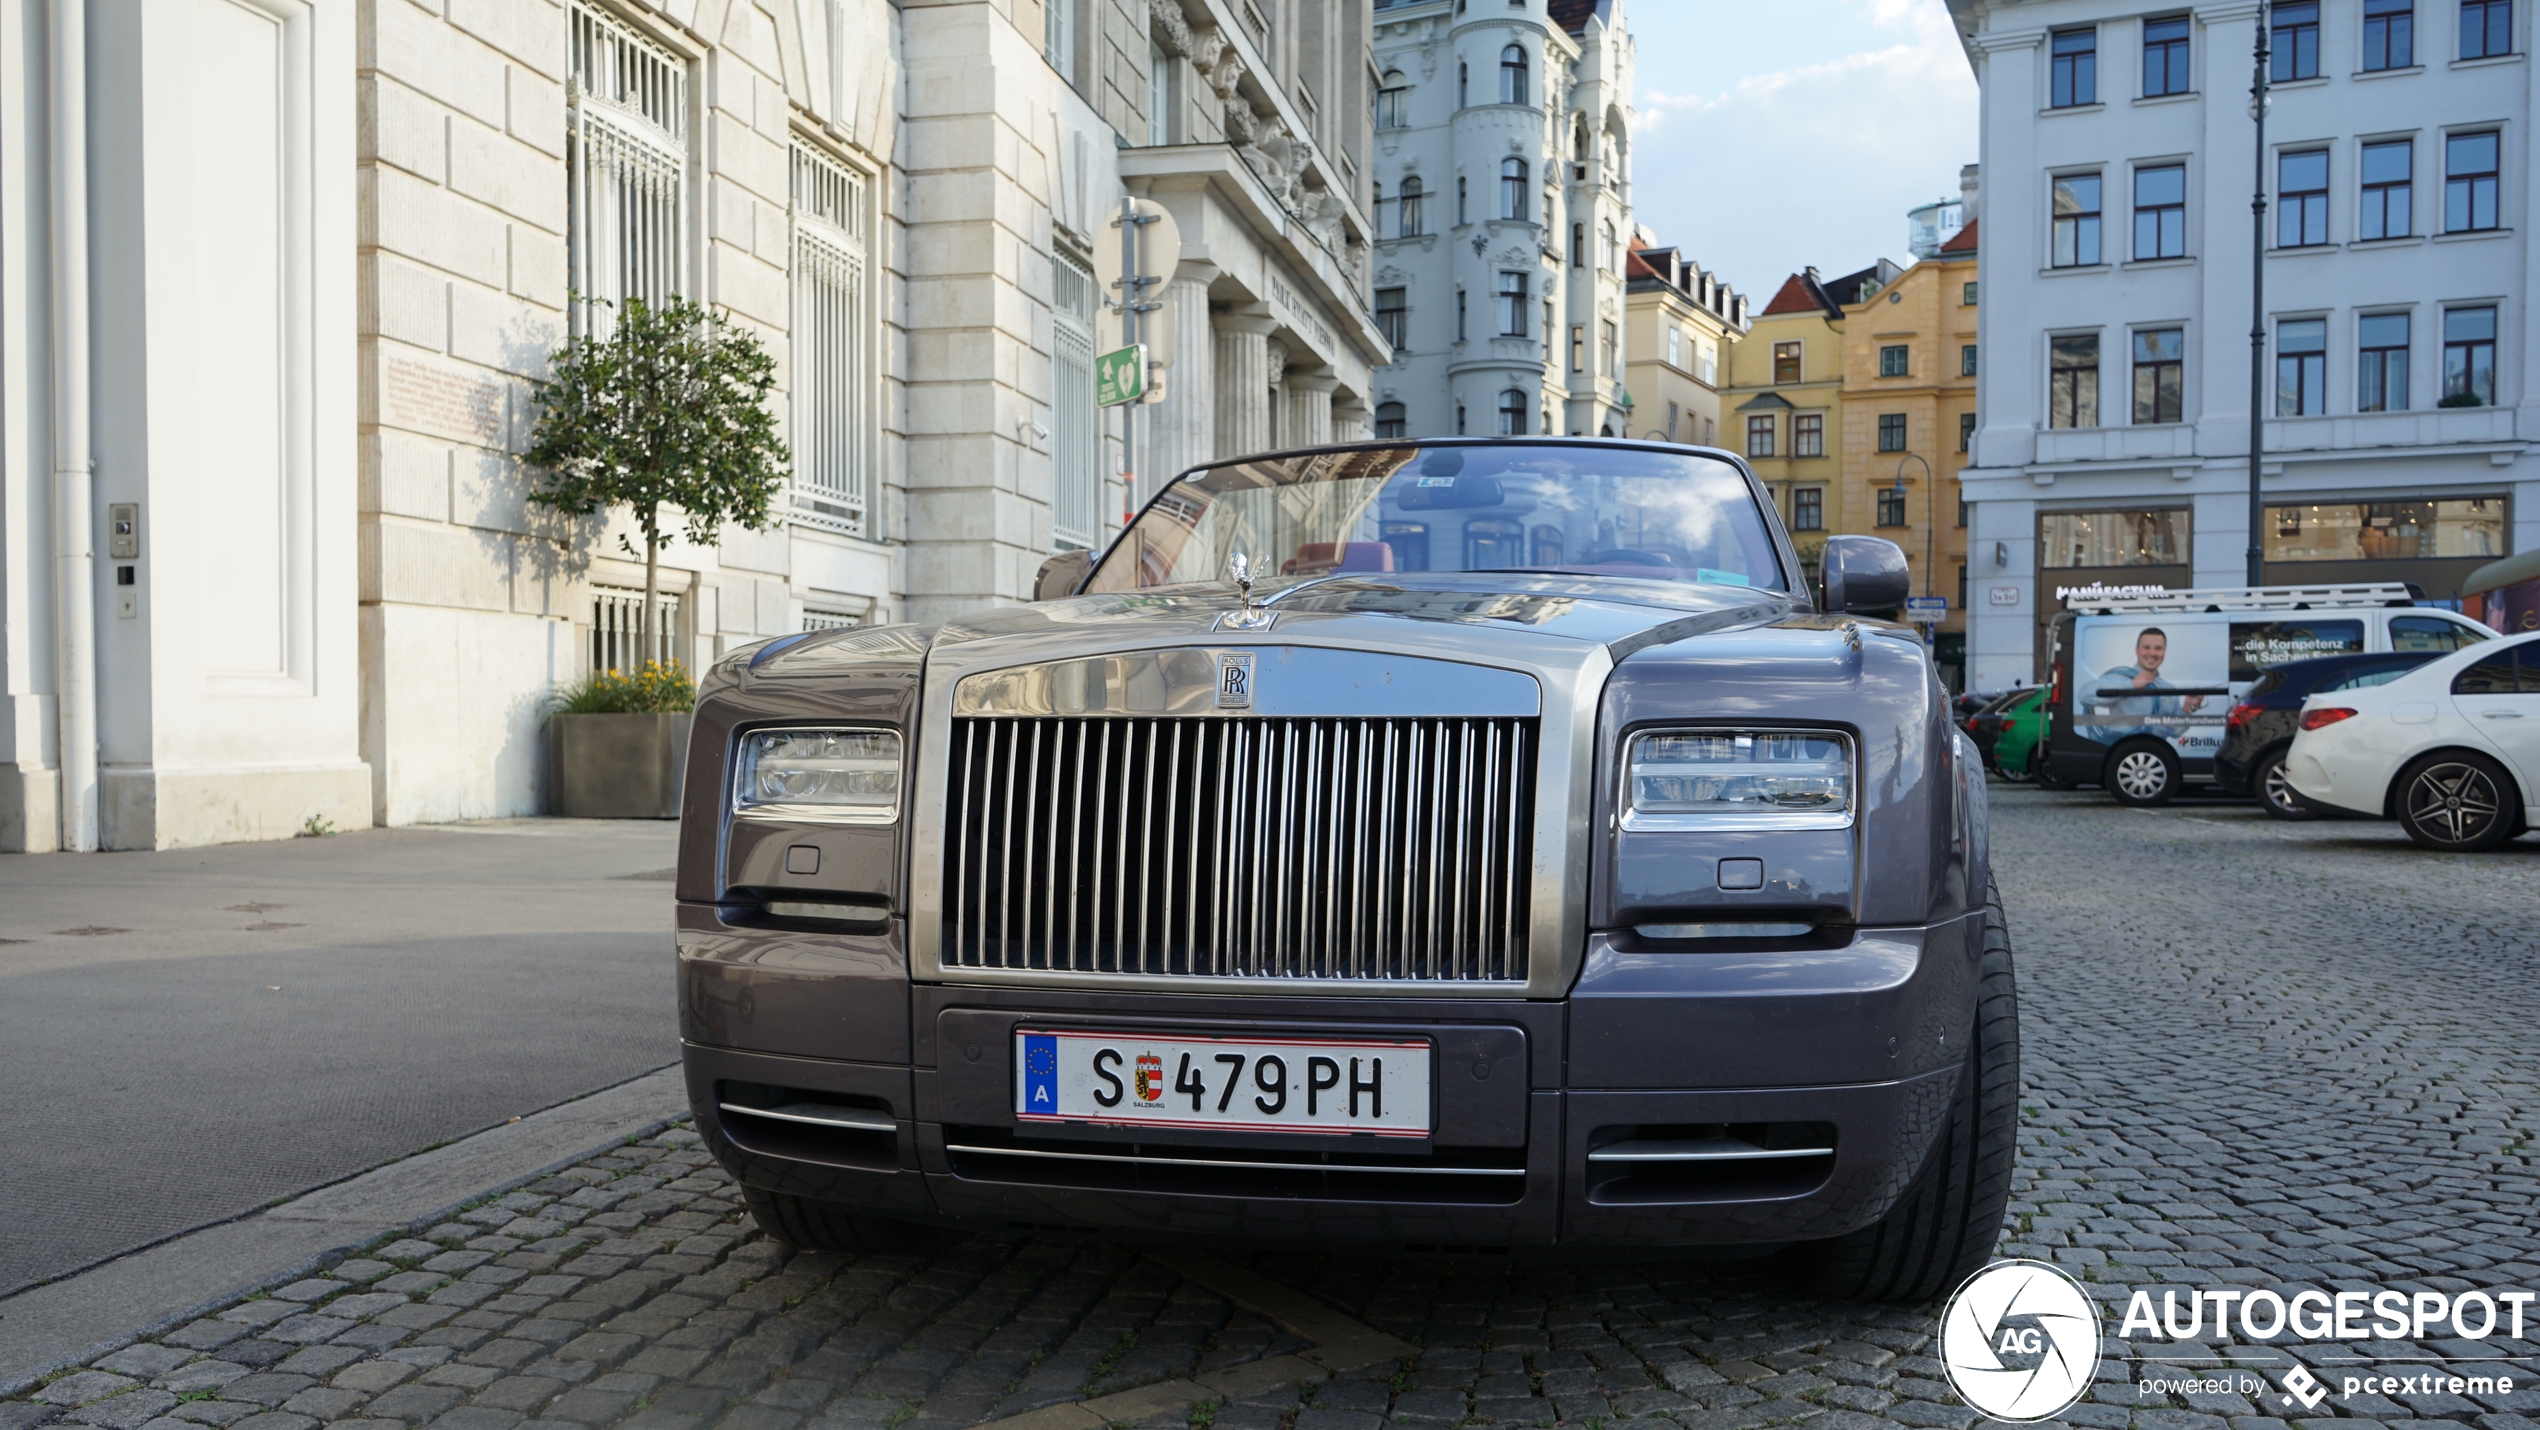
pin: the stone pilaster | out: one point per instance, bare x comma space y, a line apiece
1181, 429
1243, 383
1308, 421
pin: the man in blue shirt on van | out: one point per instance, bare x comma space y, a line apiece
2151, 648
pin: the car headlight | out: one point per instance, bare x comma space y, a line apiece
848, 775
1738, 779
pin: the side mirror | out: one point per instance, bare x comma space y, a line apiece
1864, 575
1061, 575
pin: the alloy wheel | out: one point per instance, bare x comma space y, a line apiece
2142, 774
2455, 803
2276, 788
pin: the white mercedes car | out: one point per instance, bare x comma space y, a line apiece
2451, 749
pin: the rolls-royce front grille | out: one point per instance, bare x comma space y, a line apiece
1378, 849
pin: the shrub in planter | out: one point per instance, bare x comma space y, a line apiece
616, 743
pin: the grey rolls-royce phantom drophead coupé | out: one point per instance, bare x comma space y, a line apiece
1443, 843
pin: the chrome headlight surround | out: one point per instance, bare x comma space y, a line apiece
836, 774
1724, 778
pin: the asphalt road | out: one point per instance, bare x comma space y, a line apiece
191, 1035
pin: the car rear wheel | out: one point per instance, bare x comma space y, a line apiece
2457, 801
826, 1226
2143, 773
1946, 1224
2275, 790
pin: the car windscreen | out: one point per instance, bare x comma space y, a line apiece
1584, 510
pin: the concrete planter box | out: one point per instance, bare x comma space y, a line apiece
616, 766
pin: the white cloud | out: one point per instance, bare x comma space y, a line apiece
1807, 163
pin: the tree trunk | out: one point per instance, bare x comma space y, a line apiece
652, 583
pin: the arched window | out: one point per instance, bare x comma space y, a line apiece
1512, 188
1463, 85
1512, 75
1415, 218
1391, 423
1376, 204
1548, 546
1493, 545
1393, 101
1578, 139
1613, 252
1512, 413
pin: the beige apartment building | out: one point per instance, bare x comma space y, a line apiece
276, 564
1679, 325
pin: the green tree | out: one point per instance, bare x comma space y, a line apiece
667, 408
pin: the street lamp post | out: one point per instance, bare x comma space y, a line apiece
2258, 309
1931, 519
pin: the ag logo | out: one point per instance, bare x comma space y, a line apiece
2020, 1340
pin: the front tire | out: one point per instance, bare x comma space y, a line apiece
809, 1225
1946, 1224
2458, 802
2144, 773
2275, 791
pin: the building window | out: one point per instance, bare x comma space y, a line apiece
2165, 54
1512, 189
1459, 419
2160, 212
2076, 220
1393, 102
2381, 362
626, 181
2301, 367
1058, 37
1891, 431
1512, 75
2072, 395
2469, 181
2085, 539
1462, 216
2159, 375
1610, 247
1967, 293
1674, 414
1808, 509
831, 396
1759, 435
1710, 364
2075, 77
1785, 362
2469, 357
2389, 183
2487, 28
1966, 434
1578, 347
1075, 422
1411, 211
2390, 34
1393, 316
1578, 245
2301, 182
1410, 543
1459, 315
1463, 85
1966, 359
1609, 344
2443, 529
1547, 545
1159, 95
1892, 360
1891, 506
1512, 305
1808, 434
1512, 413
1392, 424
2293, 46
1675, 346
1492, 544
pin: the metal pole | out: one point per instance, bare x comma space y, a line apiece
1130, 292
1931, 519
2258, 310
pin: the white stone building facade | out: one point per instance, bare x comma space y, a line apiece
2400, 402
1501, 190
277, 278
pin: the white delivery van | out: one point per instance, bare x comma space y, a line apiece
2140, 687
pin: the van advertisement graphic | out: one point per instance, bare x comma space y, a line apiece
2178, 677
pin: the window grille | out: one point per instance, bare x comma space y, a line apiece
832, 396
617, 629
1075, 422
626, 171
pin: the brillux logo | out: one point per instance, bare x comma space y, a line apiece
2020, 1340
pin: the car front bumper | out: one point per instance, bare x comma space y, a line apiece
1856, 1040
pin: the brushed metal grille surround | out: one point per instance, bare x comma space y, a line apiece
1268, 848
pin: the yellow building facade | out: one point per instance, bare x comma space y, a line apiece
1783, 403
1908, 404
1679, 325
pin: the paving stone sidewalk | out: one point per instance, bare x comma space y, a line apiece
2255, 1056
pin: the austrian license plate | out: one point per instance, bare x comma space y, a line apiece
1378, 1085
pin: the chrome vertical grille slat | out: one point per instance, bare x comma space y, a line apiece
1372, 850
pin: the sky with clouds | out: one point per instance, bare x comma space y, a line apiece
1773, 134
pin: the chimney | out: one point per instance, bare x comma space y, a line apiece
1967, 193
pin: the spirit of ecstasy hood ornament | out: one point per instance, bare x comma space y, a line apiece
1252, 616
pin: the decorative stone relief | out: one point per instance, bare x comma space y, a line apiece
1172, 29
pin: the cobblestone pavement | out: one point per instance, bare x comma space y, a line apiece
2257, 1054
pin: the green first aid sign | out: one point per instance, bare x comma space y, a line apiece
1120, 376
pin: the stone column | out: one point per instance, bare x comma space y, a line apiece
1308, 421
1179, 431
1243, 383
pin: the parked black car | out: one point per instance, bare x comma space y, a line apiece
2261, 727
